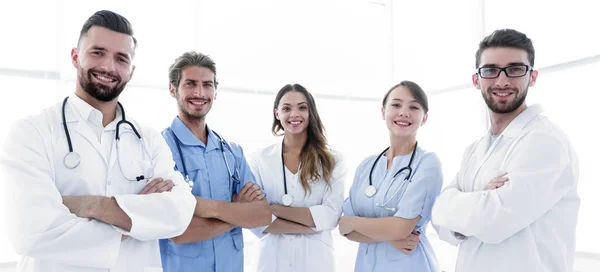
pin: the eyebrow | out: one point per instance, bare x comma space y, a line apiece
398, 99
284, 104
127, 56
509, 64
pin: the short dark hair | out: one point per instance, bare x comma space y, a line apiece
190, 58
110, 20
506, 38
414, 89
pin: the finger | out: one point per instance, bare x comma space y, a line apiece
153, 189
252, 189
501, 175
167, 185
150, 185
260, 197
246, 187
255, 194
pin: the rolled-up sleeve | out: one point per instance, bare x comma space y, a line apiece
327, 215
164, 215
38, 223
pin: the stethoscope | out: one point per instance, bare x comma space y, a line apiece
371, 190
286, 199
72, 159
223, 143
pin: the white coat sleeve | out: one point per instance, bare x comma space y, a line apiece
38, 224
254, 163
163, 215
541, 169
446, 234
327, 215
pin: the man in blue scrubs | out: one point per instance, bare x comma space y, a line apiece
227, 198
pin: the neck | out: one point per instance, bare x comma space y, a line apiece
401, 146
108, 109
293, 143
499, 121
196, 126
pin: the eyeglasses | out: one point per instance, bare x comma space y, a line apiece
510, 71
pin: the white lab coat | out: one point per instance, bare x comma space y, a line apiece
42, 229
298, 252
529, 223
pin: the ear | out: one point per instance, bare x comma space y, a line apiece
131, 74
424, 119
276, 112
533, 78
75, 57
382, 113
172, 90
475, 79
215, 98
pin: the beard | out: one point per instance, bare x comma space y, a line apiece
100, 91
190, 114
507, 107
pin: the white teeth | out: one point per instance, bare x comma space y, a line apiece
105, 78
402, 123
198, 103
503, 94
295, 122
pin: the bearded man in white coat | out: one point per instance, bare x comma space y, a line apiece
513, 204
87, 188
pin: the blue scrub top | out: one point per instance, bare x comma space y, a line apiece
206, 167
413, 199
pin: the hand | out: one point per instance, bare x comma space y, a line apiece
82, 206
250, 192
407, 245
345, 225
496, 182
157, 185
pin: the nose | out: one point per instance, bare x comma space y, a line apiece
502, 81
108, 64
404, 112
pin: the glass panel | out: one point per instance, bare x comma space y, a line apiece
561, 31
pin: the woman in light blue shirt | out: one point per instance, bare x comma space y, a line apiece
390, 201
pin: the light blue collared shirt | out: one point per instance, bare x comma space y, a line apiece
403, 199
207, 168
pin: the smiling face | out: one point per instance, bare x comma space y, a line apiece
195, 93
103, 61
293, 112
403, 114
504, 94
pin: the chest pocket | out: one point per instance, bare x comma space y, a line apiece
196, 168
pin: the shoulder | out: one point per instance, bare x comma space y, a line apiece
428, 159
40, 122
265, 153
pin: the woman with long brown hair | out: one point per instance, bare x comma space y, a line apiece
304, 182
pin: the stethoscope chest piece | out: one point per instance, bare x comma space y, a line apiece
370, 191
287, 200
189, 182
72, 160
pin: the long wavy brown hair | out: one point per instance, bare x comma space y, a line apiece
316, 158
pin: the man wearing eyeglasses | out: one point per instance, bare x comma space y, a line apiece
513, 204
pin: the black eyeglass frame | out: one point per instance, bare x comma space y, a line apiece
500, 70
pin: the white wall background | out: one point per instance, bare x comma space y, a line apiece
348, 53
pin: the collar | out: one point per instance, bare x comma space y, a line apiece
517, 124
88, 113
186, 137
